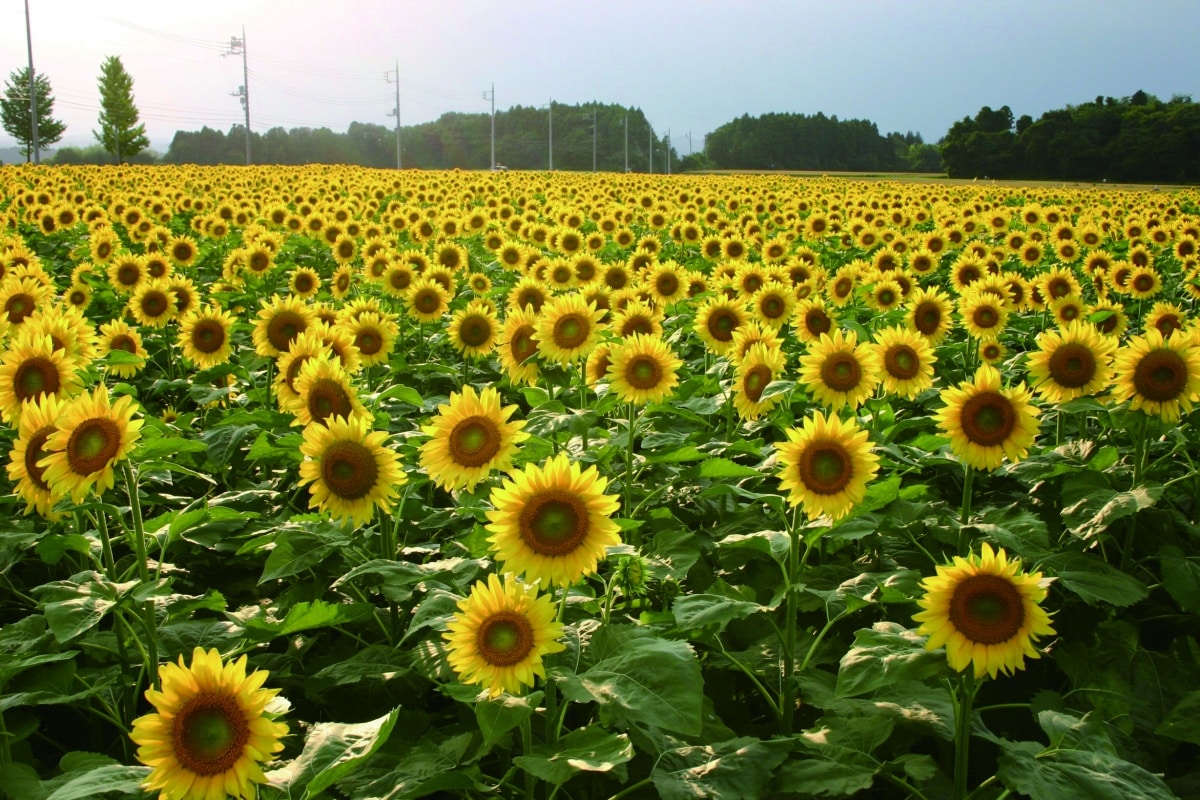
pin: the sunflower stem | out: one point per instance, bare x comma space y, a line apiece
629, 471
787, 702
527, 749
965, 514
965, 699
106, 552
1139, 465
139, 544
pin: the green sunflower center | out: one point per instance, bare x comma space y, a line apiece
349, 470
571, 331
841, 372
505, 638
755, 381
554, 523
1072, 365
825, 467
209, 734
474, 441
902, 362
988, 419
987, 609
93, 445
643, 372
35, 377
1161, 375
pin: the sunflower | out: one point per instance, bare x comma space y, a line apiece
90, 437
500, 634
126, 272
118, 335
374, 335
209, 730
826, 465
597, 364
983, 314
309, 344
152, 304
280, 320
38, 421
473, 330
985, 611
773, 304
812, 319
839, 371
992, 351
31, 368
551, 523
426, 300
1072, 362
567, 328
470, 438
69, 331
1164, 317
986, 422
636, 316
717, 320
929, 314
323, 390
885, 294
350, 470
1109, 318
666, 282
204, 336
1067, 309
906, 361
1159, 375
304, 282
518, 349
758, 367
643, 369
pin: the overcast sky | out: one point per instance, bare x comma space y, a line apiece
906, 65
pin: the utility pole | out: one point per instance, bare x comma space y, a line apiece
595, 135
37, 153
491, 95
627, 142
395, 112
237, 46
689, 143
551, 109
667, 148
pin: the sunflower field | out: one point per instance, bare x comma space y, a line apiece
327, 482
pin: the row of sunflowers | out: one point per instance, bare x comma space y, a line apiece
600, 486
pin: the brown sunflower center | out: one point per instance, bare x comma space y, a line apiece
303, 283
35, 377
349, 470
988, 419
637, 323
985, 317
283, 329
427, 301
474, 441
208, 336
755, 381
1072, 365
721, 325
817, 322
1161, 375
571, 331
825, 467
328, 398
902, 362
554, 523
34, 453
886, 298
522, 345
643, 372
92, 445
293, 370
772, 307
1167, 324
667, 284
400, 279
368, 341
927, 318
1143, 283
129, 275
123, 342
155, 303
504, 638
987, 609
841, 372
475, 331
209, 734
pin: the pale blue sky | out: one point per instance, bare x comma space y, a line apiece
915, 65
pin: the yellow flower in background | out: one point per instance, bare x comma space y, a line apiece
38, 420
1072, 362
906, 361
839, 371
204, 336
567, 328
31, 368
985, 612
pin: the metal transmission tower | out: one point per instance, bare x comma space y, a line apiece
491, 95
238, 46
395, 112
37, 154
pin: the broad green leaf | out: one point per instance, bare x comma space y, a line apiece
703, 610
887, 653
112, 778
687, 453
375, 663
332, 750
497, 716
77, 604
1181, 578
773, 543
737, 768
302, 616
590, 749
1090, 507
165, 448
12, 666
224, 441
403, 394
830, 770
1093, 579
726, 469
1078, 774
301, 544
1183, 721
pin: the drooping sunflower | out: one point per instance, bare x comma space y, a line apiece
1158, 375
1071, 362
31, 368
323, 391
280, 320
500, 634
906, 361
118, 335
598, 361
840, 371
567, 328
986, 422
470, 438
826, 465
204, 336
38, 421
552, 522
91, 435
754, 372
517, 347
69, 330
350, 471
985, 611
209, 731
643, 369
717, 320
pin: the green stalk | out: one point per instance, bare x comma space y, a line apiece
527, 749
965, 700
629, 466
965, 514
787, 702
106, 551
139, 544
1139, 465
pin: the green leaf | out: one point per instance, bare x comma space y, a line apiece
375, 663
830, 770
77, 604
1181, 578
103, 780
736, 768
300, 617
166, 447
1183, 721
643, 678
1090, 507
496, 717
299, 545
687, 453
703, 610
1093, 579
1078, 774
726, 469
333, 749
590, 749
224, 441
887, 653
404, 394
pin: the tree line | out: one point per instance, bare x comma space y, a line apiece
1139, 138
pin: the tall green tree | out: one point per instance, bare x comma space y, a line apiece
17, 117
120, 132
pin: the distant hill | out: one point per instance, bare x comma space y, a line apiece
11, 155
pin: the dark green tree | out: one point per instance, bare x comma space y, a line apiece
17, 116
120, 132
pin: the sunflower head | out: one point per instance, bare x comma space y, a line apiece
985, 611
